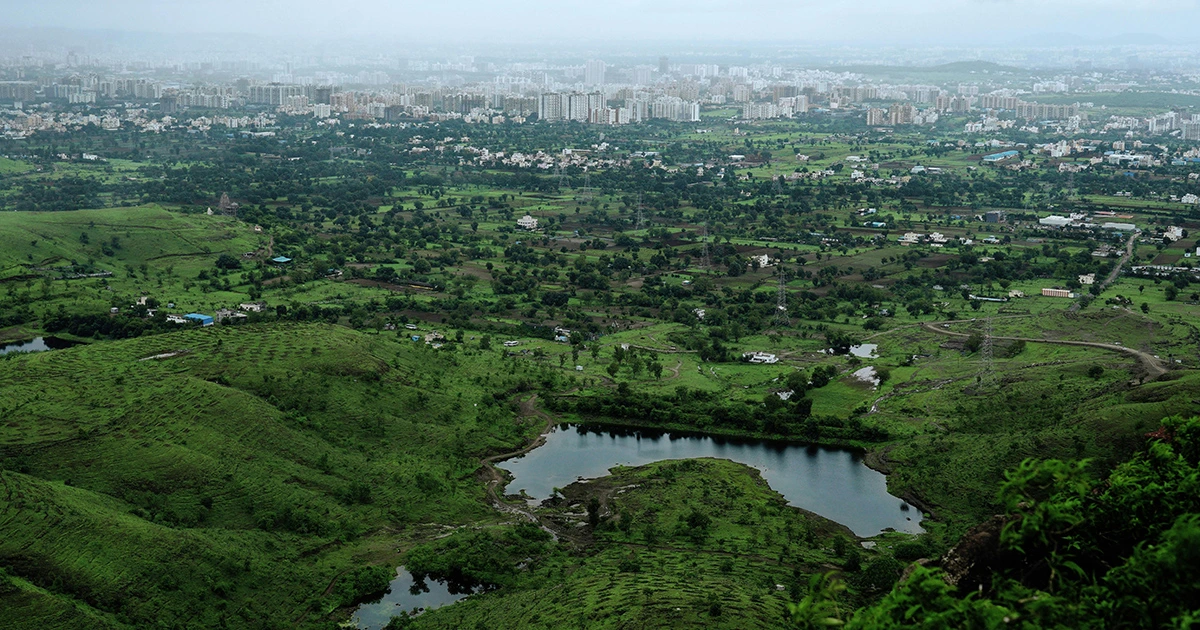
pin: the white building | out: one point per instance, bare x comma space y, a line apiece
1055, 221
1088, 278
527, 222
760, 357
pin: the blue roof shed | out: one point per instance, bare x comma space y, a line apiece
205, 320
281, 259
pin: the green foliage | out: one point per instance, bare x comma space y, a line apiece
1076, 551
487, 558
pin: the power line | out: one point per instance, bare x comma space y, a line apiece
782, 320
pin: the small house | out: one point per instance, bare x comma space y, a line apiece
281, 260
760, 357
229, 314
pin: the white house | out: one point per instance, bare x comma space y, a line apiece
763, 261
760, 357
527, 222
1087, 278
1191, 198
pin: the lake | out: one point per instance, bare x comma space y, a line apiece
400, 598
38, 344
831, 482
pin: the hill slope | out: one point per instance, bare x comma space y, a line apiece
228, 475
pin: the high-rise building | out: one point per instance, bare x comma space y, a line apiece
663, 67
550, 107
593, 73
1191, 130
642, 76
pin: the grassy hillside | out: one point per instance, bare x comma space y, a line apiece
144, 234
232, 481
147, 249
694, 543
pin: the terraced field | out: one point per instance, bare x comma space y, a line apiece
144, 480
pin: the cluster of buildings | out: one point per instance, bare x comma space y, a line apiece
596, 109
222, 315
18, 123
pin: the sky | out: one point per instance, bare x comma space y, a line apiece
909, 22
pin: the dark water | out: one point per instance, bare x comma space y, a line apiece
39, 344
831, 482
400, 599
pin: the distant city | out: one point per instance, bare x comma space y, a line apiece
52, 90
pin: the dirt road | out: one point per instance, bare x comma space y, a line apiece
1154, 366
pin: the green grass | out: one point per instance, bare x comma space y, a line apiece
645, 566
149, 490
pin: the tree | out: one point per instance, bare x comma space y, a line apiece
1095, 371
797, 382
656, 369
840, 341
1145, 306
225, 261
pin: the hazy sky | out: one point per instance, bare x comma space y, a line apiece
952, 22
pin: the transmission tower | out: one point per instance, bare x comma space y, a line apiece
587, 186
781, 313
707, 260
988, 376
641, 219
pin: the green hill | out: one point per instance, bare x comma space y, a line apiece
233, 481
115, 238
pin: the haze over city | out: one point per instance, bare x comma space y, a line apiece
870, 22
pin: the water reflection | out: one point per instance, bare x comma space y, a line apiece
828, 481
38, 344
406, 595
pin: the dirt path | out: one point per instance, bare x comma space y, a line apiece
662, 350
675, 371
1154, 367
494, 477
1117, 270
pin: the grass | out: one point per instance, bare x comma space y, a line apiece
147, 490
644, 565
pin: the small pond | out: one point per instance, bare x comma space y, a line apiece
865, 351
831, 482
405, 595
38, 344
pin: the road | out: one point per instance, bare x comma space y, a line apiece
1154, 366
1116, 270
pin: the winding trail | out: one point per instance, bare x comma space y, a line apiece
1154, 367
